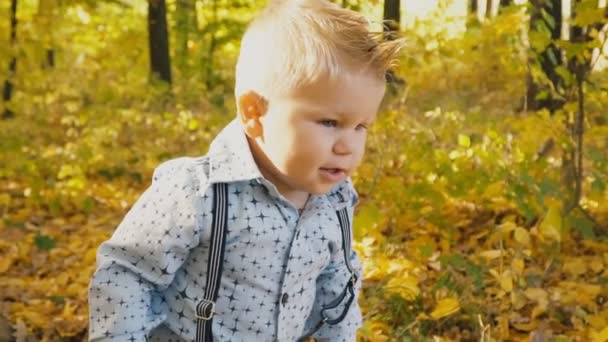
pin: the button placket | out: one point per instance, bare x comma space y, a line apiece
291, 218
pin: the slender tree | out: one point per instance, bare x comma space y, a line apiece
392, 17
492, 8
547, 15
392, 25
46, 20
185, 10
487, 8
7, 94
580, 67
210, 77
160, 62
566, 71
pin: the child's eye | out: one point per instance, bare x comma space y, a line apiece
328, 123
362, 127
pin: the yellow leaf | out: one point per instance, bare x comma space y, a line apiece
596, 264
526, 326
445, 307
518, 266
464, 140
375, 329
538, 295
375, 268
506, 281
597, 321
494, 190
522, 236
602, 336
575, 266
537, 311
518, 300
551, 225
503, 326
405, 286
578, 293
193, 124
491, 254
90, 256
5, 264
400, 265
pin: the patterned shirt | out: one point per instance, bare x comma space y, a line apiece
280, 267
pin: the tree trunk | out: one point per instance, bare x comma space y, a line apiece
492, 8
550, 58
210, 75
481, 9
580, 68
45, 30
599, 56
392, 17
160, 62
7, 94
392, 25
185, 11
487, 8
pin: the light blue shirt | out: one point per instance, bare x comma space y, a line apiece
279, 267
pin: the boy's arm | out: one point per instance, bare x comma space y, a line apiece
330, 285
142, 256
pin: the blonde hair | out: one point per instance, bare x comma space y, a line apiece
294, 43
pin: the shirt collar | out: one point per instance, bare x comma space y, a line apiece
343, 195
230, 160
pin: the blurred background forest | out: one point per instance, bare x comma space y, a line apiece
484, 193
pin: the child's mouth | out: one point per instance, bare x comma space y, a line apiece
332, 174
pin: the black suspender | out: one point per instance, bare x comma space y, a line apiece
205, 310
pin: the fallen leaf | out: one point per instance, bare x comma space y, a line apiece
405, 286
522, 236
445, 307
601, 336
551, 226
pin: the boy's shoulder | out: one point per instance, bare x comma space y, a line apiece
184, 172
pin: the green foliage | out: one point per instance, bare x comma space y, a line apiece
44, 242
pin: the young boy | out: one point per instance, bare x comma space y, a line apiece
309, 81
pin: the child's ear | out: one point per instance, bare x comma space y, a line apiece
252, 106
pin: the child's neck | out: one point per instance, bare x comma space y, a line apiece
299, 201
296, 197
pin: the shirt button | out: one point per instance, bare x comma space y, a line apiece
284, 298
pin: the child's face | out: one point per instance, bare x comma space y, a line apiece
314, 138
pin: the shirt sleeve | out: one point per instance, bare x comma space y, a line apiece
142, 256
330, 285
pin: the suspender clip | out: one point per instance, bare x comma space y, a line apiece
207, 310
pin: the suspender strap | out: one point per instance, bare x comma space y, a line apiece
349, 289
206, 308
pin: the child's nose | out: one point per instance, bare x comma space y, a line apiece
344, 146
